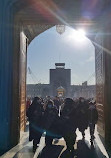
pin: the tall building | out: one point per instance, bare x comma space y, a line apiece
60, 77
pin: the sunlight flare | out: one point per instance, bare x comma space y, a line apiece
77, 35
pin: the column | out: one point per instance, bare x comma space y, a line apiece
107, 84
9, 79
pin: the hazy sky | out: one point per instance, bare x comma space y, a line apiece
50, 47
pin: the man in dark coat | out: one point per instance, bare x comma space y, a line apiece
57, 102
82, 118
92, 119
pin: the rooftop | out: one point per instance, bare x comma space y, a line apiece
60, 65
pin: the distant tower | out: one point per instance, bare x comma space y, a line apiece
60, 77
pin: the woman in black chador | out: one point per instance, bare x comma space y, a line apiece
50, 116
65, 125
34, 115
69, 123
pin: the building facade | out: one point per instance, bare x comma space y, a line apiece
61, 77
86, 91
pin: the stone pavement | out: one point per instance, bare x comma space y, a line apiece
58, 149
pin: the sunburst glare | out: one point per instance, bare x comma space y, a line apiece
77, 35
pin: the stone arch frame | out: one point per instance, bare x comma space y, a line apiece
10, 120
12, 96
14, 118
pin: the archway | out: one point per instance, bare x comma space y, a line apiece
18, 24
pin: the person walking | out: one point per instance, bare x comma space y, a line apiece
34, 115
68, 121
82, 118
92, 119
50, 115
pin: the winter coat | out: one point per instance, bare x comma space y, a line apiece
82, 117
92, 114
35, 114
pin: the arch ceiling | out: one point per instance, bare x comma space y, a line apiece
39, 15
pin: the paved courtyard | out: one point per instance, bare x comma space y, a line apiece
58, 149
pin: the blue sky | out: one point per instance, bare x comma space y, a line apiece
50, 47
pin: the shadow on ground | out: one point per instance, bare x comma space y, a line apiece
25, 152
84, 150
52, 151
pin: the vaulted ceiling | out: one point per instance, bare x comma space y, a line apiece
39, 15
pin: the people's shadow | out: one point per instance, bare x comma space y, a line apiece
68, 154
24, 152
84, 150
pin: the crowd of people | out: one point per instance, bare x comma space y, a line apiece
60, 118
